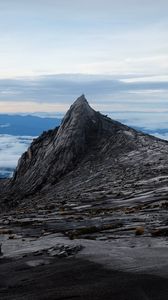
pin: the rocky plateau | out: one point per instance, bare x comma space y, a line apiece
94, 187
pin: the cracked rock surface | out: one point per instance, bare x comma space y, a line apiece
92, 188
90, 178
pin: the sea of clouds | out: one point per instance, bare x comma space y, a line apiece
11, 148
153, 123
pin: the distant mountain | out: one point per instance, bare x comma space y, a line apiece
16, 134
26, 125
89, 156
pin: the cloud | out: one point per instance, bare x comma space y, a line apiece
152, 121
154, 78
11, 148
109, 37
63, 88
4, 125
161, 136
55, 93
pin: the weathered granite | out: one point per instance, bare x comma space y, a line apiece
88, 158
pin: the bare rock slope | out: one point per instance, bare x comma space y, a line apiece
93, 188
91, 176
90, 156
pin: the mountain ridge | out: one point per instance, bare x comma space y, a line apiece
86, 143
27, 125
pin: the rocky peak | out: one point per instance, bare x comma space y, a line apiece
80, 101
58, 151
84, 147
81, 106
77, 119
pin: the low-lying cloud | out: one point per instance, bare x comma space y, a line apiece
148, 122
54, 88
11, 148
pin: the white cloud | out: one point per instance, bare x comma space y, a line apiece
161, 136
146, 92
11, 148
154, 78
4, 125
152, 121
42, 37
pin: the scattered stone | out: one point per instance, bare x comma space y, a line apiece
64, 250
12, 237
6, 222
37, 253
39, 262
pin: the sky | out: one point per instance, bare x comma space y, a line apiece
114, 52
52, 51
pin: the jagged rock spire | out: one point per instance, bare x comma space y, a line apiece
87, 149
54, 154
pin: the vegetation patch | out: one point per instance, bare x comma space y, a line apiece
139, 230
91, 230
160, 232
5, 231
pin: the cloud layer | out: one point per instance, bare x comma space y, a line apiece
11, 148
57, 92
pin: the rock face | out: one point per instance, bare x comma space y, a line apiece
89, 157
56, 152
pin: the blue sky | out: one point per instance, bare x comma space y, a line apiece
116, 52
